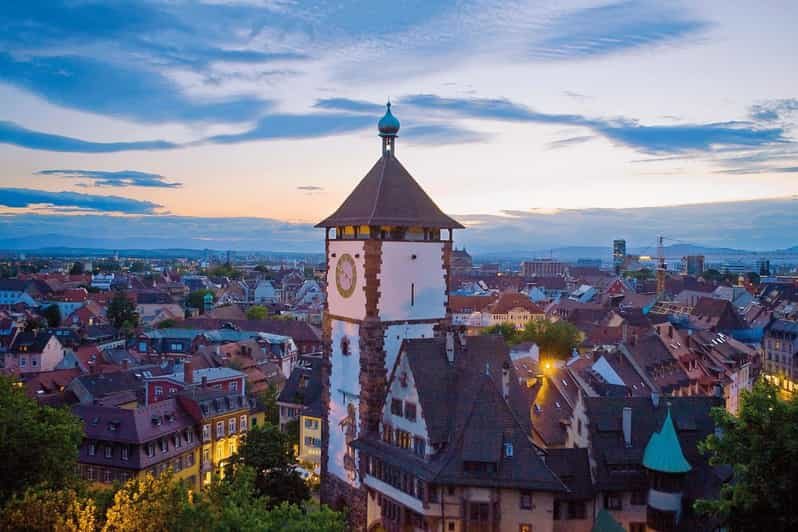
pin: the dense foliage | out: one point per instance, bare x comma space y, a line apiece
761, 444
257, 312
39, 445
39, 490
122, 312
196, 299
555, 339
270, 453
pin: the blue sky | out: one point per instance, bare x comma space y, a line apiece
513, 113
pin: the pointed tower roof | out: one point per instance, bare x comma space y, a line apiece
664, 452
389, 195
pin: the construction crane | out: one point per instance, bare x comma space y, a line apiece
661, 267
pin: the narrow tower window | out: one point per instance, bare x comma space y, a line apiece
412, 294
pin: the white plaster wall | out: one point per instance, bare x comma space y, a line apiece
344, 389
405, 393
394, 334
353, 306
398, 271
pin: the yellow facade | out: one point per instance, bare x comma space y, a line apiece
221, 435
310, 440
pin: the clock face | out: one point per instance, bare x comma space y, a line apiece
346, 275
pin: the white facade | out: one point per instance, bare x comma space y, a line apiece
265, 292
354, 306
412, 288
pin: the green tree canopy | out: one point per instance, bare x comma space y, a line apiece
257, 312
39, 444
269, 452
52, 314
761, 445
555, 339
45, 509
225, 270
122, 312
196, 299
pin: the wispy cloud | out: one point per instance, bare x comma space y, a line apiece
774, 110
297, 126
310, 188
657, 139
346, 104
124, 91
26, 197
611, 28
122, 178
440, 135
570, 141
11, 133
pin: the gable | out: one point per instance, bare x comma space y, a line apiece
402, 387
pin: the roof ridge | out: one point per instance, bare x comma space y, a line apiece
379, 188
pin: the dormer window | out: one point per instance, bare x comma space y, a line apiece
508, 450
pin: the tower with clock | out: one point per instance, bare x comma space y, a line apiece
388, 249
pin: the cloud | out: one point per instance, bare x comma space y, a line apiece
285, 126
11, 133
754, 225
657, 139
761, 170
26, 197
439, 135
118, 90
310, 188
346, 104
612, 28
774, 110
571, 141
123, 178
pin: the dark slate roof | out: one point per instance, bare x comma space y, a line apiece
550, 412
389, 195
468, 419
101, 384
784, 327
620, 468
659, 364
34, 342
572, 466
720, 312
304, 385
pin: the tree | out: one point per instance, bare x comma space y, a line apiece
507, 330
45, 509
149, 504
168, 323
257, 312
555, 339
196, 299
39, 444
761, 445
269, 452
641, 275
754, 278
52, 314
225, 270
76, 269
139, 266
270, 406
122, 312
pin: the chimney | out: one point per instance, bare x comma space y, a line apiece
626, 420
204, 381
506, 381
188, 373
450, 347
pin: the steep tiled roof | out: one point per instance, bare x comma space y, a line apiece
389, 195
512, 300
32, 342
462, 304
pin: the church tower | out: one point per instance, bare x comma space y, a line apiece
388, 250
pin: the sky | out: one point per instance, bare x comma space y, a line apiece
241, 122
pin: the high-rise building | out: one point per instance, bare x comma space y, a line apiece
388, 268
763, 266
693, 264
618, 254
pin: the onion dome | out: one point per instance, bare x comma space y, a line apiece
388, 124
